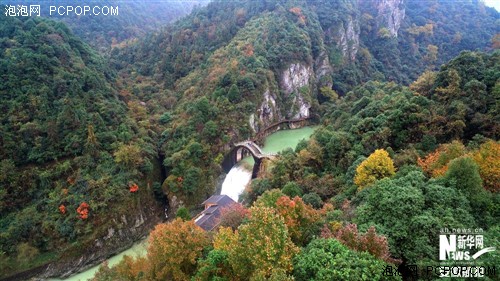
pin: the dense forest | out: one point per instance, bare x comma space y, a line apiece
219, 75
104, 32
384, 152
106, 119
68, 142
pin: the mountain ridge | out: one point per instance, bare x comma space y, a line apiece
160, 113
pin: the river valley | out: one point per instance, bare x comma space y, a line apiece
234, 184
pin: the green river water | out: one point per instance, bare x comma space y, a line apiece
280, 140
138, 249
274, 143
287, 138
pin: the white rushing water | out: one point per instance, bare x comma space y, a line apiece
236, 181
234, 184
240, 175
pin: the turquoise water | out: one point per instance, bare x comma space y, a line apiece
280, 140
138, 249
240, 175
274, 143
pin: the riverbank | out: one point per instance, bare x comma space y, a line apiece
137, 250
234, 183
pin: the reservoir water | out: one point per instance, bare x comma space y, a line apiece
138, 249
234, 184
239, 176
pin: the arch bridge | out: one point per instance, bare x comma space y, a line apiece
249, 147
242, 149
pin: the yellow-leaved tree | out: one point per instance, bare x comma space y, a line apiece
488, 160
261, 249
174, 249
377, 166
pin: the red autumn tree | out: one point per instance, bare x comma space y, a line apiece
71, 180
233, 216
300, 218
83, 210
370, 242
62, 209
134, 187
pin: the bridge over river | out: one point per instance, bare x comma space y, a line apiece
250, 147
242, 149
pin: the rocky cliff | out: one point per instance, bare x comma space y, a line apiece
266, 113
296, 86
292, 100
390, 14
345, 36
121, 234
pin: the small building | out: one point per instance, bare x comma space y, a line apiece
209, 218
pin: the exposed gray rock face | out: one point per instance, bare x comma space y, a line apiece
323, 67
295, 83
295, 76
125, 231
348, 38
303, 107
266, 113
390, 14
345, 35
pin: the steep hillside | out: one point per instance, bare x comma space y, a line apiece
391, 170
227, 71
268, 71
392, 40
440, 141
70, 150
134, 19
87, 143
396, 40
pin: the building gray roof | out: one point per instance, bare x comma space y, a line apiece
221, 200
209, 218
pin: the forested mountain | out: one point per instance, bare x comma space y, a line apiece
134, 19
385, 40
225, 72
88, 142
70, 148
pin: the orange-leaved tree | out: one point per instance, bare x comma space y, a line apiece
377, 166
435, 164
133, 188
174, 249
301, 219
83, 210
298, 12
